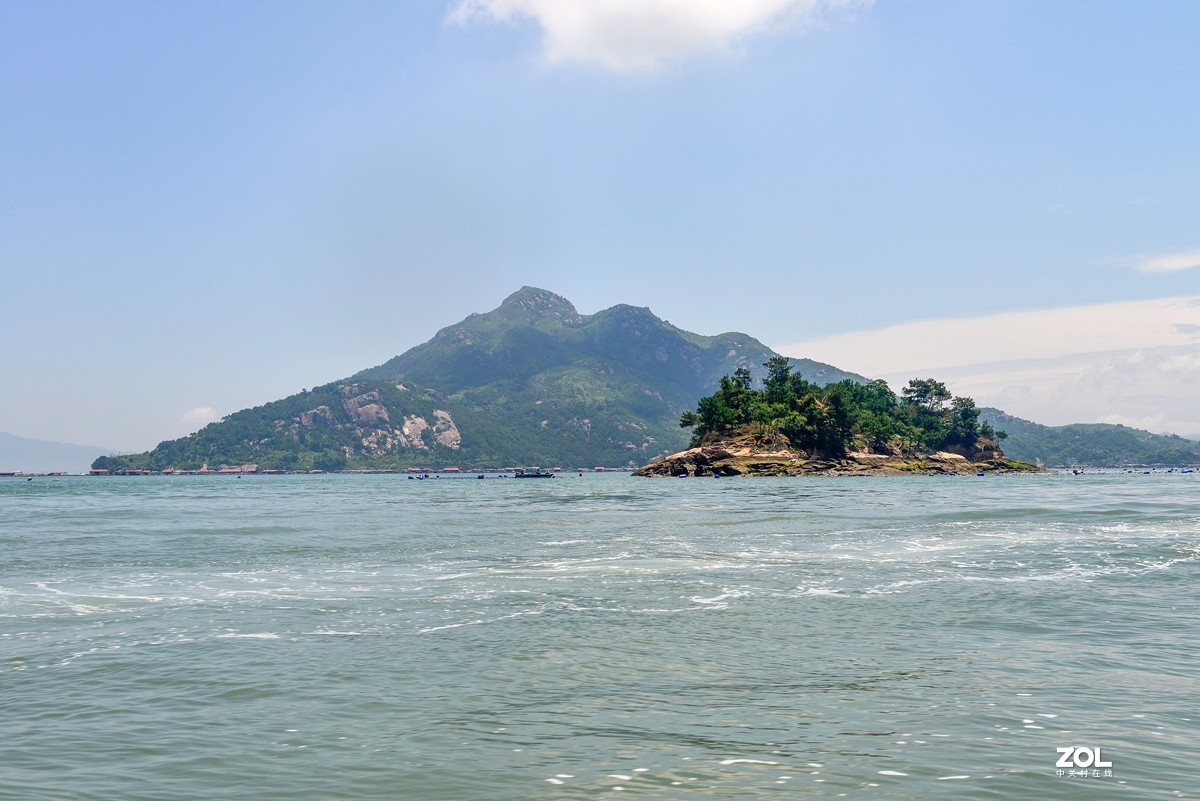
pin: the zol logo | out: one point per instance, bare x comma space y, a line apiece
1080, 757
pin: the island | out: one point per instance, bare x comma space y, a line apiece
790, 426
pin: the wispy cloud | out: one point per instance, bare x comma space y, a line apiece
1036, 334
201, 415
1157, 389
644, 35
1165, 262
1136, 362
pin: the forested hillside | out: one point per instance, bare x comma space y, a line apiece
1090, 444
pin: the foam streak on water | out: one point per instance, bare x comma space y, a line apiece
368, 637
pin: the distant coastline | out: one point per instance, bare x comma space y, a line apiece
448, 471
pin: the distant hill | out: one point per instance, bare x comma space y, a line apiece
532, 382
1089, 444
43, 456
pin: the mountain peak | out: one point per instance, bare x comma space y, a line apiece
540, 303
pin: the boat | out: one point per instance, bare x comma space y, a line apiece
535, 472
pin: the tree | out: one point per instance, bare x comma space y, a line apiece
926, 394
839, 416
777, 386
964, 422
830, 420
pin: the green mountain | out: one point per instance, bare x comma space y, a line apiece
532, 382
1089, 444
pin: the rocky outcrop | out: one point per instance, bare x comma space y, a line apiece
365, 409
745, 459
369, 422
445, 431
320, 416
414, 430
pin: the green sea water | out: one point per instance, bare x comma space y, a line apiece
599, 637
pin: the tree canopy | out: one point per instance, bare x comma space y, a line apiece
833, 419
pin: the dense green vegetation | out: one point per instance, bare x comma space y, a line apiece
832, 419
1091, 444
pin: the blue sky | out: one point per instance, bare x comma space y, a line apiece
206, 206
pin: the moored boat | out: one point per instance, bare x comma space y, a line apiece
533, 473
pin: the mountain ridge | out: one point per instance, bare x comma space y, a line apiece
1089, 444
531, 382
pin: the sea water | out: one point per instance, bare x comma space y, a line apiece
599, 637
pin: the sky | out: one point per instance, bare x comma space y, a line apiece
208, 206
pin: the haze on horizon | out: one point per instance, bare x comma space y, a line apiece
210, 206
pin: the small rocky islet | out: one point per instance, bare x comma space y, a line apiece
789, 426
740, 458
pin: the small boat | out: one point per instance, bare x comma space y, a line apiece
534, 473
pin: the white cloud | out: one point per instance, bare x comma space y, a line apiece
201, 415
1157, 389
1039, 334
1166, 262
1136, 363
644, 35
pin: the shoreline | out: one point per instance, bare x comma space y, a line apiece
731, 460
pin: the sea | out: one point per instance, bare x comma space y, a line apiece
333, 637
